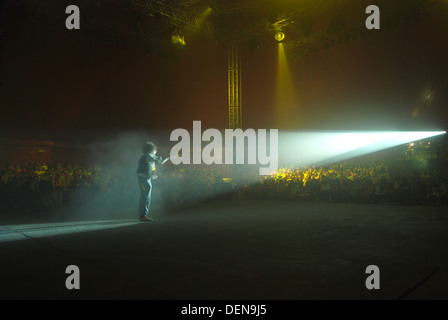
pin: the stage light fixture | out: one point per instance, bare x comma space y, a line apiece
279, 36
178, 39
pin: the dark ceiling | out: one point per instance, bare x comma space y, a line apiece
117, 70
150, 23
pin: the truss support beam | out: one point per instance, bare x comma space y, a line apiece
234, 87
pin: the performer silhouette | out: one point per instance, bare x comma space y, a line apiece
146, 172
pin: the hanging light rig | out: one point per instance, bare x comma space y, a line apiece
177, 38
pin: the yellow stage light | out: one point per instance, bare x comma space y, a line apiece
279, 36
178, 39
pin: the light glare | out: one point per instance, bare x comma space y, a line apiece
309, 148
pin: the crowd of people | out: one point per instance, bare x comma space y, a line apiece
37, 187
366, 182
358, 182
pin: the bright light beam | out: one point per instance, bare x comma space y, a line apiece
308, 148
286, 104
28, 231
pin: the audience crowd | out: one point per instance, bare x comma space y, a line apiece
38, 187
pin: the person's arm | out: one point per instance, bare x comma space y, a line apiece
159, 160
155, 159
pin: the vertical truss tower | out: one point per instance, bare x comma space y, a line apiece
234, 87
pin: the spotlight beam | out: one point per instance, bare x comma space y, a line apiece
30, 231
310, 148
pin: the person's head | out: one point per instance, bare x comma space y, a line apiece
149, 148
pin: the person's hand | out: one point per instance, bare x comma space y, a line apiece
154, 177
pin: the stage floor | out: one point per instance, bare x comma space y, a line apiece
230, 250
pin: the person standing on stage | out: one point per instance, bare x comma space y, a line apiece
146, 172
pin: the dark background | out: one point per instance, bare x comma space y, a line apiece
72, 85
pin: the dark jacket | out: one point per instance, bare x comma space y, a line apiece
147, 165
